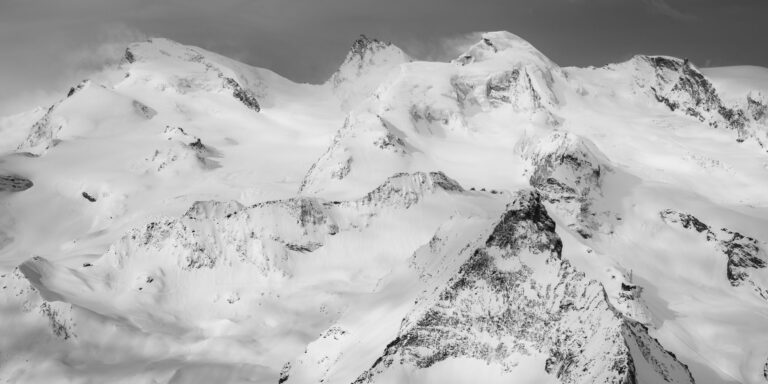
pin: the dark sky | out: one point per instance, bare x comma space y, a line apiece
45, 45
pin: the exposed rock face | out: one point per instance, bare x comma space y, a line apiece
57, 316
514, 296
363, 134
528, 84
405, 189
525, 92
367, 64
77, 88
682, 87
14, 184
744, 253
568, 171
182, 150
757, 107
128, 56
42, 134
245, 96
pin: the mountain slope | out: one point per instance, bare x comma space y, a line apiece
183, 217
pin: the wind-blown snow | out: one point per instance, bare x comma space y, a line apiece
184, 218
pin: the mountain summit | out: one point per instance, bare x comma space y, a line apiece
186, 218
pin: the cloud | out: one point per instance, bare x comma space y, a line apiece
443, 48
66, 63
663, 8
107, 50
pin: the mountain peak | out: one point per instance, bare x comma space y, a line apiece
367, 64
505, 46
364, 45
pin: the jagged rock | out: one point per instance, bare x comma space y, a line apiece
284, 373
128, 56
515, 297
687, 221
367, 64
57, 315
527, 86
568, 170
765, 370
679, 85
743, 252
244, 95
14, 184
77, 88
406, 189
88, 197
361, 131
41, 136
757, 107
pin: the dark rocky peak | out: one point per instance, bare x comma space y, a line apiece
526, 222
364, 45
526, 307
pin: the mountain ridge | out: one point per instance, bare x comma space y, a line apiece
404, 220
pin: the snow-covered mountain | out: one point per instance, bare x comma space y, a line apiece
183, 218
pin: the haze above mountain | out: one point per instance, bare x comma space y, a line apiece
183, 217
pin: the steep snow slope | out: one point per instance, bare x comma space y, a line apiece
367, 64
175, 124
497, 214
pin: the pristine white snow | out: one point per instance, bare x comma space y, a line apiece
223, 242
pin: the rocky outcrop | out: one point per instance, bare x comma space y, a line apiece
526, 84
211, 234
679, 85
42, 135
568, 171
367, 64
182, 151
128, 56
757, 107
12, 183
513, 298
56, 317
526, 89
406, 189
365, 135
745, 254
77, 88
245, 96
